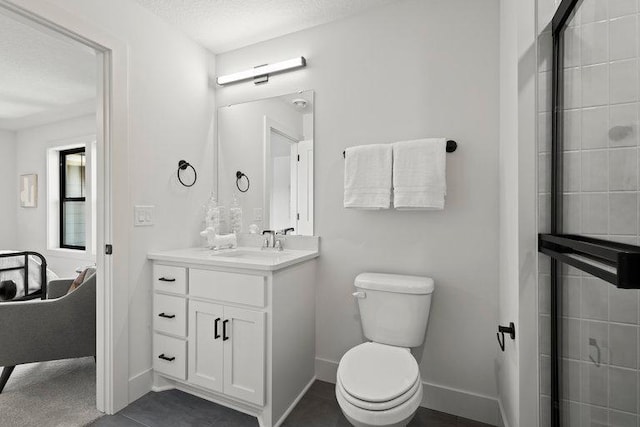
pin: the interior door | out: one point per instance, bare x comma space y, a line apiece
244, 350
206, 345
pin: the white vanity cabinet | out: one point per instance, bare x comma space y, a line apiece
240, 335
227, 352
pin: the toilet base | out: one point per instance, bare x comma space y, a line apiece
357, 423
359, 417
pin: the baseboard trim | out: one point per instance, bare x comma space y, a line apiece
503, 416
140, 384
294, 403
474, 406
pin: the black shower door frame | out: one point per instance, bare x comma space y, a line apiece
558, 24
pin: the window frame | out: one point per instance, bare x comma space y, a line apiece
62, 193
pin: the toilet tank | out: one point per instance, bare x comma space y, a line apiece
394, 309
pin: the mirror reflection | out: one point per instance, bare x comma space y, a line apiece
265, 162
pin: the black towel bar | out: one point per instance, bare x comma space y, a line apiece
451, 147
614, 262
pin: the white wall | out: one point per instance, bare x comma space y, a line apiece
416, 68
31, 157
170, 118
8, 190
517, 365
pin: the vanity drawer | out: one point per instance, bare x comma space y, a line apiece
170, 279
170, 356
231, 287
170, 314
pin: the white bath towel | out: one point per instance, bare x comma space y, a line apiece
419, 174
367, 176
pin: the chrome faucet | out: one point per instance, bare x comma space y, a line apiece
271, 241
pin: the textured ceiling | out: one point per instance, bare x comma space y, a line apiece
223, 25
40, 73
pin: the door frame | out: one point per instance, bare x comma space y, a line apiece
269, 125
112, 314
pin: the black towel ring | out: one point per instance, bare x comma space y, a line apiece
182, 165
239, 176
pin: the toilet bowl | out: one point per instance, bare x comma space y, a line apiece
378, 383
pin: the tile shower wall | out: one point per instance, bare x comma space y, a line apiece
600, 343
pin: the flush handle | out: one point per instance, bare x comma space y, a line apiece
360, 294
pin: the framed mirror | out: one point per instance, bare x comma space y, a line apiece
265, 161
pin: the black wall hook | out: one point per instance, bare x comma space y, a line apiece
511, 330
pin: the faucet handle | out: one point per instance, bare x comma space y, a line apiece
268, 232
285, 231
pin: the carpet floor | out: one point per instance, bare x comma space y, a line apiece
57, 394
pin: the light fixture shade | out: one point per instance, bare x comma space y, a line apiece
262, 70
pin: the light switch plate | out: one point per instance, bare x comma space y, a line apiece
143, 216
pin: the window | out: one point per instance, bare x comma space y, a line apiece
73, 199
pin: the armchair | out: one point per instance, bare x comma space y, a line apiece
63, 326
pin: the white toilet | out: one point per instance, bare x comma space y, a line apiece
378, 382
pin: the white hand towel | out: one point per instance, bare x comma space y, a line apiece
367, 176
419, 174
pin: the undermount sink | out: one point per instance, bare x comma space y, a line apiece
251, 254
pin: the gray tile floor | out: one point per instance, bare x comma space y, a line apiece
318, 408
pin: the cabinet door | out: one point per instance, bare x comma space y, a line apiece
244, 349
205, 347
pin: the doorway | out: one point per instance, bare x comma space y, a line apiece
111, 368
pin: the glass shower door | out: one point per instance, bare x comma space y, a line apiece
591, 353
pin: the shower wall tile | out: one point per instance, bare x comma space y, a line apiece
571, 338
623, 169
595, 43
623, 213
595, 128
594, 298
572, 387
623, 119
595, 213
624, 386
623, 305
623, 38
594, 416
572, 130
595, 87
623, 345
623, 81
571, 170
594, 382
595, 170
594, 10
622, 419
622, 7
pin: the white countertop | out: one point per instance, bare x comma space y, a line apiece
250, 258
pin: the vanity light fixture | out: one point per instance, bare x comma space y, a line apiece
260, 74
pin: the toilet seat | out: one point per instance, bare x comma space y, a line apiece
378, 406
378, 374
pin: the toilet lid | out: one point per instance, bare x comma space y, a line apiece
376, 372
